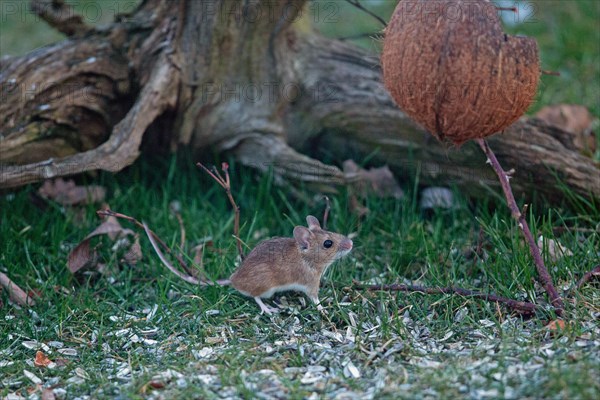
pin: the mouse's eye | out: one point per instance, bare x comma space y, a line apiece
327, 244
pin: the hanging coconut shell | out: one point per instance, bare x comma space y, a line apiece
450, 67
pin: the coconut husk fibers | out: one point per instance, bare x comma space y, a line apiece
450, 67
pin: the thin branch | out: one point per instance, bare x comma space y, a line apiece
225, 183
156, 243
326, 212
218, 174
60, 16
588, 276
522, 306
357, 4
111, 213
544, 276
15, 293
212, 174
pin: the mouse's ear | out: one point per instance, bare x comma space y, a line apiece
313, 223
302, 236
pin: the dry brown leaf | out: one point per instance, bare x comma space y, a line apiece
569, 117
379, 181
41, 360
83, 256
112, 228
556, 326
68, 193
135, 252
574, 119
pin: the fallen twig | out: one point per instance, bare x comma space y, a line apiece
595, 273
15, 293
544, 276
111, 213
522, 306
225, 183
156, 242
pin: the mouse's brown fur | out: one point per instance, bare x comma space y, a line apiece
281, 263
290, 263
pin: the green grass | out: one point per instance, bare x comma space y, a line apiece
443, 345
209, 343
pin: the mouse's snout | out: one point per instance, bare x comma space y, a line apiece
346, 245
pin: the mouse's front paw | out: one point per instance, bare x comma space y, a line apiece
265, 308
322, 309
270, 310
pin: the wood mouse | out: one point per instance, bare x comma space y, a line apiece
282, 263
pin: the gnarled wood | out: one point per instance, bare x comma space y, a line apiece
246, 78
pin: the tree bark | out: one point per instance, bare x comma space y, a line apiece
251, 80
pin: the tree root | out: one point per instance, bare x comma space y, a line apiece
122, 148
268, 152
60, 16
